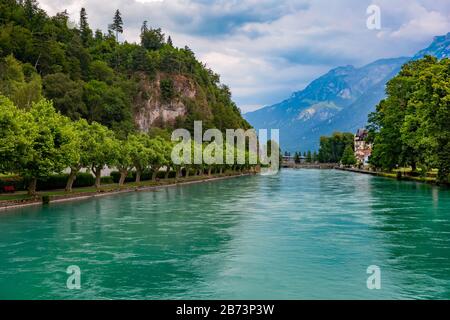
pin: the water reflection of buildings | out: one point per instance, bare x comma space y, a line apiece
435, 193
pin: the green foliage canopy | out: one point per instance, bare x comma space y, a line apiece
411, 127
332, 148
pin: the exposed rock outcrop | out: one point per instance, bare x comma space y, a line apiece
151, 110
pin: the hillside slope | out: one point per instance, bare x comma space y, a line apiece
89, 74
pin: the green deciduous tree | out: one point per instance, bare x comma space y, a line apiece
123, 160
348, 158
101, 148
167, 90
158, 156
53, 144
411, 127
152, 39
22, 89
99, 70
107, 105
66, 94
332, 148
140, 152
81, 148
15, 133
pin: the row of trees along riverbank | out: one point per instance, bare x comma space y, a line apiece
39, 142
335, 149
309, 157
339, 148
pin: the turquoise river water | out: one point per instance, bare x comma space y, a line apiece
304, 234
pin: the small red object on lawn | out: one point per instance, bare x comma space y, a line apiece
9, 189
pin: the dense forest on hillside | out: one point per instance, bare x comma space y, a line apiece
90, 74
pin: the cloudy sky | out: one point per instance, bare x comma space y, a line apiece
267, 49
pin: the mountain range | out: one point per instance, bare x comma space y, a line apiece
340, 100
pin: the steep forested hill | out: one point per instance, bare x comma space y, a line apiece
90, 74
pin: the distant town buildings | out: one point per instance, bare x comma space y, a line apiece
301, 159
363, 149
288, 159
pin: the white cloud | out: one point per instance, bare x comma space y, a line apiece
425, 24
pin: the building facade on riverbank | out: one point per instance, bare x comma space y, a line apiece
288, 159
363, 149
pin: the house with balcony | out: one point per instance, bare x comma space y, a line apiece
363, 149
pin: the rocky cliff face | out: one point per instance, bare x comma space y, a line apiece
152, 110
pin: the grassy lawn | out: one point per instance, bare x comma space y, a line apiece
430, 174
430, 178
22, 195
14, 196
407, 176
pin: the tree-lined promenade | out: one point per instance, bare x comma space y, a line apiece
69, 97
39, 142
